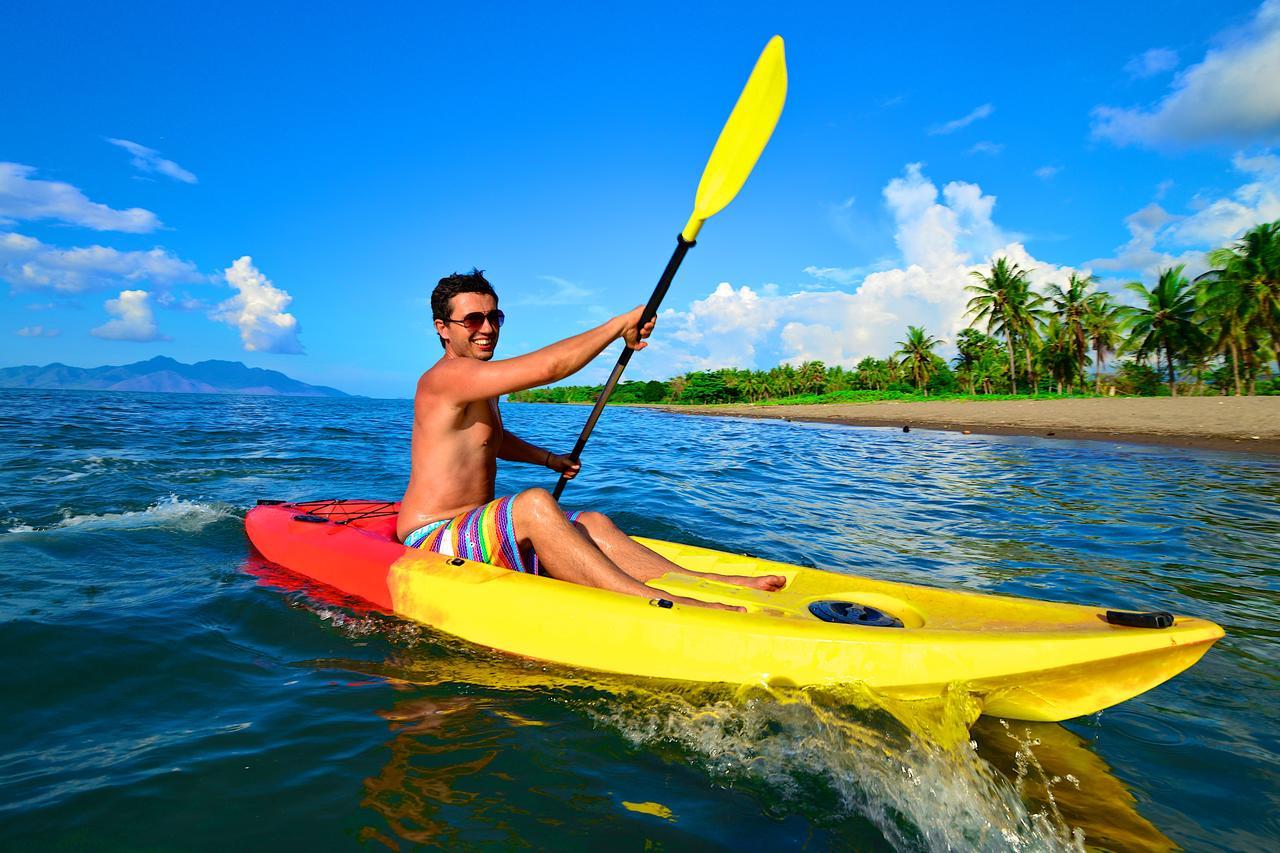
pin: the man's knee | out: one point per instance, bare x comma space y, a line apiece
536, 505
592, 520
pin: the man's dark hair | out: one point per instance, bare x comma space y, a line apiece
451, 285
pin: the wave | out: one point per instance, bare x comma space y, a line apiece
172, 512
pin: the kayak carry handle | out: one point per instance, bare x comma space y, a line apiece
1130, 619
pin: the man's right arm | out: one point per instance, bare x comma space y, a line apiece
467, 379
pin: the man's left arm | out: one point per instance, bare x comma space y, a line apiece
516, 449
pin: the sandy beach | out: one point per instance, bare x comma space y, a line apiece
1249, 424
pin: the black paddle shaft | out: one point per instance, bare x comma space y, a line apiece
650, 311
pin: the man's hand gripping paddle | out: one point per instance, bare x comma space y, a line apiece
741, 142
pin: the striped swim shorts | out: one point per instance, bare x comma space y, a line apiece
486, 534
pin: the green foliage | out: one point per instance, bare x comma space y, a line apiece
1137, 378
917, 355
639, 392
1163, 323
1011, 309
980, 362
707, 388
942, 380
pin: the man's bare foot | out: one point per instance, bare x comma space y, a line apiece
693, 602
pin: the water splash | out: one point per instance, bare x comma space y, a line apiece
170, 512
907, 767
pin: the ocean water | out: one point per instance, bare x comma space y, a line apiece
160, 694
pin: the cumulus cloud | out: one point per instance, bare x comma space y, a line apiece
964, 121
1159, 239
38, 332
149, 161
28, 264
23, 197
1149, 63
258, 311
1220, 220
1139, 254
133, 320
1229, 96
942, 237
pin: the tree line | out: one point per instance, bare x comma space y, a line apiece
1218, 333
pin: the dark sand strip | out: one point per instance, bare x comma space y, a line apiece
1248, 424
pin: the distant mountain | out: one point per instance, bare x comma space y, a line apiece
164, 375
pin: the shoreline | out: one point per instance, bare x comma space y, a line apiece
1240, 424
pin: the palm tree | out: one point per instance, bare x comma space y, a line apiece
1003, 301
1070, 306
1164, 323
812, 377
917, 352
1058, 354
873, 373
1246, 283
1228, 317
1102, 327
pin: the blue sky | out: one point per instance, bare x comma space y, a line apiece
282, 184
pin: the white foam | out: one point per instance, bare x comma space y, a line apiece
172, 511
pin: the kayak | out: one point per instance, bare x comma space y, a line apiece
1023, 659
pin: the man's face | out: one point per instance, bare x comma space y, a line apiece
463, 342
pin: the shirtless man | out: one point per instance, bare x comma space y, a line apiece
449, 506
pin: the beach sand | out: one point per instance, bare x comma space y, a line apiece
1250, 424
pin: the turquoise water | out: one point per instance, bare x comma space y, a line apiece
160, 694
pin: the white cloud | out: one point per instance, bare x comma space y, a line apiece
185, 302
1250, 204
149, 160
1149, 63
838, 275
1159, 239
986, 147
28, 264
1140, 254
1229, 96
1045, 173
964, 121
38, 332
258, 311
23, 197
562, 292
133, 319
942, 236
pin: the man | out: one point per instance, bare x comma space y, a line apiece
449, 506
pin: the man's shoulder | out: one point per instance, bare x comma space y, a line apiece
446, 382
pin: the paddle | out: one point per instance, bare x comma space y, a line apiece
741, 142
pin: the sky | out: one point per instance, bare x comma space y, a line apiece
283, 184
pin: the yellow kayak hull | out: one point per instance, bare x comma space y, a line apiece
1024, 659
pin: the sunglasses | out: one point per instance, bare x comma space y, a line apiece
474, 321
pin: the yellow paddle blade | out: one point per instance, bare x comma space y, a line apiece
743, 138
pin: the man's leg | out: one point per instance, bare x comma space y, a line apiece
644, 565
568, 555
